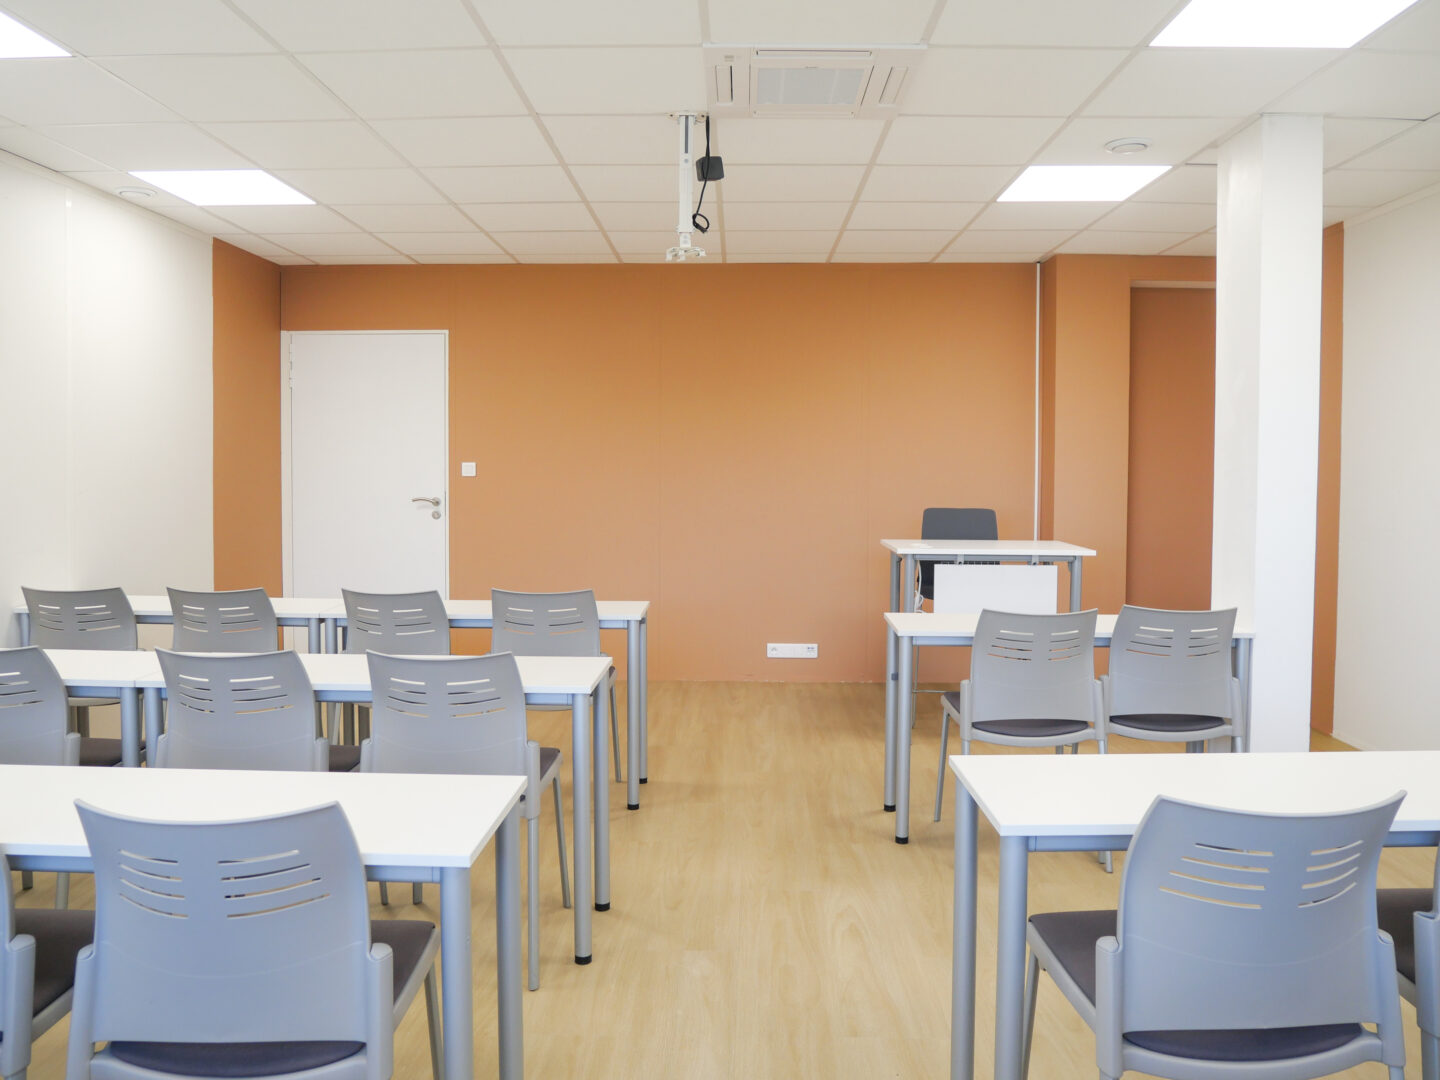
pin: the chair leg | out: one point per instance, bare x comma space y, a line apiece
385, 893
417, 893
532, 900
27, 879
560, 840
1032, 986
62, 891
347, 731
1429, 1056
940, 776
1105, 857
432, 1018
82, 721
615, 734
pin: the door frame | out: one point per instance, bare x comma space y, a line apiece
287, 456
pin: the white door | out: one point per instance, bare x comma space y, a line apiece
368, 499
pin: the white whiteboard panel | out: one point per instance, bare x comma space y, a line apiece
967, 587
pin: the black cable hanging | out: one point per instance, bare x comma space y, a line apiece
699, 220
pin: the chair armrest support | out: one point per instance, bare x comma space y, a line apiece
19, 1001
380, 1013
81, 1047
1109, 1038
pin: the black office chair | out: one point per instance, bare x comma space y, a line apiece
952, 523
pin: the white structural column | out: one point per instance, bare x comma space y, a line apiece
1267, 410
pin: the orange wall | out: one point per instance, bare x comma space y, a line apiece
1172, 447
730, 442
246, 359
1327, 510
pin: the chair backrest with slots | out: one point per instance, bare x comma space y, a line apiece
1032, 667
80, 618
34, 723
545, 624
234, 620
1175, 662
403, 623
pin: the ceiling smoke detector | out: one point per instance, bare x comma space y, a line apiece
757, 80
1131, 144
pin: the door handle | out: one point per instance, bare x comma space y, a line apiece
431, 499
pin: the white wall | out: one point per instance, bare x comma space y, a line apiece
1387, 696
105, 392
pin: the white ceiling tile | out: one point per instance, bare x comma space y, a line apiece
362, 187
147, 146
193, 216
771, 257
775, 215
1389, 84
308, 144
1006, 82
801, 241
881, 257
33, 146
113, 181
1040, 215
898, 183
494, 257
918, 241
659, 257
1196, 245
1122, 243
1335, 214
532, 217
542, 257
584, 22
1345, 138
656, 241
1159, 217
1025, 240
317, 244
316, 25
137, 27
581, 81
71, 91
618, 183
459, 243
1050, 22
363, 260
1172, 141
463, 142
615, 140
641, 215
432, 218
819, 22
229, 87
1205, 82
744, 141
1370, 187
781, 183
516, 183
553, 243
953, 256
1417, 148
292, 260
284, 219
1416, 28
1186, 183
458, 82
912, 215
253, 244
950, 140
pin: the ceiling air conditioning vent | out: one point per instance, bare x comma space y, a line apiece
750, 80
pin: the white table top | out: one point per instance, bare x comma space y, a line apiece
908, 624
399, 820
1108, 794
1015, 549
302, 607
611, 611
102, 667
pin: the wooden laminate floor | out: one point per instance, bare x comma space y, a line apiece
765, 924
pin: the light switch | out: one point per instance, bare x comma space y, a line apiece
467, 468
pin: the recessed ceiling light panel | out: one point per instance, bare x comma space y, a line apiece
1278, 24
225, 187
1081, 183
19, 42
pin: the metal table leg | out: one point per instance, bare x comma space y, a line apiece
632, 715
962, 974
903, 717
507, 949
1010, 957
892, 647
313, 644
1243, 660
600, 711
645, 700
457, 1025
581, 767
332, 631
1075, 601
129, 726
24, 618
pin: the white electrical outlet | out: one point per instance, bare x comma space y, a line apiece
467, 468
792, 651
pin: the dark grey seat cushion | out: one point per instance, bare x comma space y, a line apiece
1031, 729
1396, 909
1071, 936
344, 758
407, 939
102, 753
1168, 721
59, 936
548, 756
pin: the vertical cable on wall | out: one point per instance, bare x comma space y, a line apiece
1035, 513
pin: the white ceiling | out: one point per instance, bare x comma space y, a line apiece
504, 131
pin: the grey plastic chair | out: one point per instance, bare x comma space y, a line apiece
231, 621
466, 714
953, 523
552, 624
250, 711
1170, 678
81, 619
1245, 945
241, 948
37, 973
403, 624
1412, 919
1032, 683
